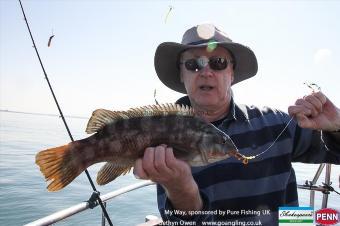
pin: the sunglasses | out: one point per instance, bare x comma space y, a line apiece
215, 63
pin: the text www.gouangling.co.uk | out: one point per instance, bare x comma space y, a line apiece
232, 223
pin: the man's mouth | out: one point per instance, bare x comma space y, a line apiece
205, 87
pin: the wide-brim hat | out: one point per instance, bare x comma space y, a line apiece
168, 53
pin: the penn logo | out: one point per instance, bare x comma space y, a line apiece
327, 216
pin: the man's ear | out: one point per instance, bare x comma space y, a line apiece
181, 77
181, 70
232, 77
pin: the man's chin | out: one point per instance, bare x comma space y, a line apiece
207, 102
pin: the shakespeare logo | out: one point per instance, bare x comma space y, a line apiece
296, 216
327, 216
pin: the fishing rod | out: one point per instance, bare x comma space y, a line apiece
95, 198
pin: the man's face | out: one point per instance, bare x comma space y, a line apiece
206, 87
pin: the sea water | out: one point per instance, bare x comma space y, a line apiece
24, 197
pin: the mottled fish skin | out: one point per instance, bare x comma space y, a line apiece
121, 138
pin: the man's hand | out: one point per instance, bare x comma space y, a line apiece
160, 165
316, 111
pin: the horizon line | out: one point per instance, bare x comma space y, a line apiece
45, 114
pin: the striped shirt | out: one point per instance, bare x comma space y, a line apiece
253, 192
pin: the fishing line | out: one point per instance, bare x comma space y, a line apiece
314, 87
154, 97
95, 195
267, 149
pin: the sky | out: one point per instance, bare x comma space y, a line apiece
102, 53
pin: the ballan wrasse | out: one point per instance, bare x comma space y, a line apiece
120, 138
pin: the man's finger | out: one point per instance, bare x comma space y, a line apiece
170, 158
304, 103
299, 109
138, 170
159, 162
163, 145
148, 161
314, 101
321, 97
304, 122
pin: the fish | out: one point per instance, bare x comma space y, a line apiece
119, 138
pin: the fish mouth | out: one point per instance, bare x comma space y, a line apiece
214, 157
206, 87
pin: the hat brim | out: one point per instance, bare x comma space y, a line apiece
167, 69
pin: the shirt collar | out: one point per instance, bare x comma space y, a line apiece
236, 112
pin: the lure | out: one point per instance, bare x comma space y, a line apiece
168, 13
49, 41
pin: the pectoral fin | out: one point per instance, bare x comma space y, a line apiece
111, 171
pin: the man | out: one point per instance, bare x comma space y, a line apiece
205, 66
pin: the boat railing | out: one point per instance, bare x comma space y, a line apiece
325, 188
65, 213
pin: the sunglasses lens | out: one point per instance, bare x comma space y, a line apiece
215, 63
191, 65
218, 63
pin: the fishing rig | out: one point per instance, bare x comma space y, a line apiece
95, 199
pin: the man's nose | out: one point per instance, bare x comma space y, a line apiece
206, 71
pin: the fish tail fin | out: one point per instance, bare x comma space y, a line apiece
58, 166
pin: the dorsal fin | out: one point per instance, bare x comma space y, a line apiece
160, 110
102, 117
